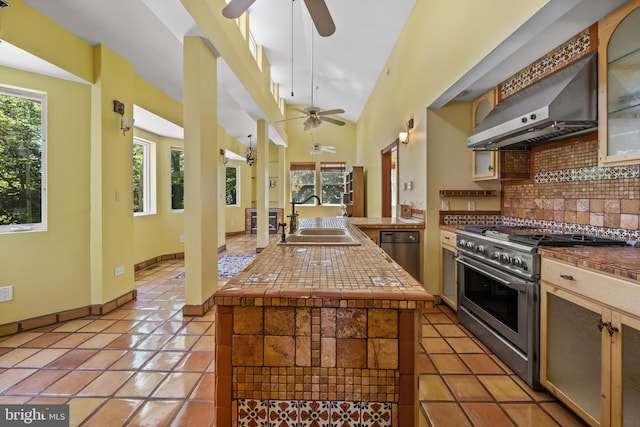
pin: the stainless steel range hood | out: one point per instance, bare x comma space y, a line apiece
561, 104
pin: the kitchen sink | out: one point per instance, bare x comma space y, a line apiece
321, 236
323, 232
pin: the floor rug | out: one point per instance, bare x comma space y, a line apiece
228, 266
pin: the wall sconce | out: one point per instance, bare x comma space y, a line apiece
225, 159
404, 136
126, 123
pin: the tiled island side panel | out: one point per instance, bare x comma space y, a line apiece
300, 364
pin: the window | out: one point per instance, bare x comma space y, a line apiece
303, 181
143, 178
332, 182
232, 185
177, 178
22, 160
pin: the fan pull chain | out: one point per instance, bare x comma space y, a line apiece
292, 47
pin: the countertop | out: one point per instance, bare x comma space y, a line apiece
619, 261
388, 223
308, 275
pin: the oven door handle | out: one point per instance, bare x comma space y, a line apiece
494, 274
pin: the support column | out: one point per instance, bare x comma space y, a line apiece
262, 185
282, 180
111, 181
200, 176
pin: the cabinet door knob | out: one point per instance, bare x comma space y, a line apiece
566, 276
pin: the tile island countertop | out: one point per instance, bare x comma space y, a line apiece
324, 329
363, 272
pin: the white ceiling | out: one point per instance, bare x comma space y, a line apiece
346, 65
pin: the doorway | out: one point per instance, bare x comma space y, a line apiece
389, 157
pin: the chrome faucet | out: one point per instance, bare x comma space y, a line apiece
293, 221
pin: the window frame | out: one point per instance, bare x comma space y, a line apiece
148, 178
301, 167
332, 167
237, 187
177, 149
39, 97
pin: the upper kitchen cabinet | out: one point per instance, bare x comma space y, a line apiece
485, 163
619, 86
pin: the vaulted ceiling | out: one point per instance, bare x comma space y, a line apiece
346, 65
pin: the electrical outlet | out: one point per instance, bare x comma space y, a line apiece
119, 270
6, 293
182, 238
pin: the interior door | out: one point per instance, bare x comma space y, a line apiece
390, 172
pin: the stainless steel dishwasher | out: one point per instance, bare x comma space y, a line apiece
404, 248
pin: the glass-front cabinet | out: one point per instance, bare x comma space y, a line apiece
619, 86
485, 163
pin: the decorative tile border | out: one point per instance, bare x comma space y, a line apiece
594, 173
304, 413
565, 227
574, 49
468, 219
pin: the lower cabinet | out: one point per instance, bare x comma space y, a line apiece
448, 288
590, 341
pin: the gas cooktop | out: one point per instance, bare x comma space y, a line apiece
532, 236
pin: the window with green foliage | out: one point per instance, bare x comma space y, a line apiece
332, 182
303, 181
232, 185
143, 178
177, 178
22, 160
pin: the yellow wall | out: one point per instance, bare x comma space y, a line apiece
449, 167
299, 149
159, 234
437, 46
50, 270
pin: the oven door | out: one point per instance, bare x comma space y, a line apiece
502, 301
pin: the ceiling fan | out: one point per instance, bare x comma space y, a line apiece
317, 9
314, 117
319, 149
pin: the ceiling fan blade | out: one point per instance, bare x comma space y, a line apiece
331, 112
321, 17
334, 121
328, 150
300, 111
235, 8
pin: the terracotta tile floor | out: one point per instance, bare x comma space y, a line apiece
146, 364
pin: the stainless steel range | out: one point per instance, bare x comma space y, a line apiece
499, 286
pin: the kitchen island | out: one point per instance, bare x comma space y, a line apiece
319, 332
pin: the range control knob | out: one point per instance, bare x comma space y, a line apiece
481, 249
505, 258
517, 261
496, 256
470, 245
533, 116
524, 120
462, 243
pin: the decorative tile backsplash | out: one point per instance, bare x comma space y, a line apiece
571, 193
